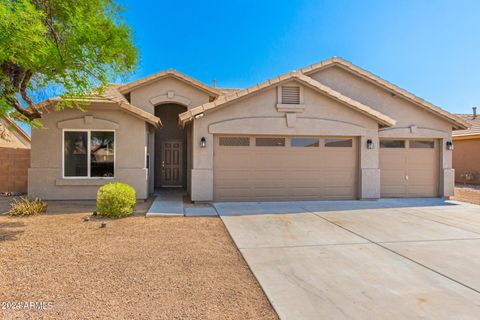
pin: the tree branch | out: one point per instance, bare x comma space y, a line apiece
23, 88
31, 114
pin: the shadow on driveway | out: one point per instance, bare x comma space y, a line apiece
279, 207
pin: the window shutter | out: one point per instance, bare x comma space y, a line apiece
290, 95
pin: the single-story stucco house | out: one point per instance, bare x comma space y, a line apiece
466, 155
328, 131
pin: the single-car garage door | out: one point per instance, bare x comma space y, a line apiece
409, 168
281, 168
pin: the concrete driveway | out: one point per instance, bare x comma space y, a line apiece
385, 259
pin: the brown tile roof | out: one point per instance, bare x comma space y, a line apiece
226, 91
111, 95
473, 131
126, 88
456, 121
297, 76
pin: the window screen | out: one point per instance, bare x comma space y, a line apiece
304, 142
235, 141
419, 144
344, 143
102, 154
270, 142
75, 154
392, 144
290, 95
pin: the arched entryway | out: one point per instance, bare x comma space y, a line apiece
170, 148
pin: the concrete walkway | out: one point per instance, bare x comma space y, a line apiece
170, 202
386, 259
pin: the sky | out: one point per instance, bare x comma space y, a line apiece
429, 48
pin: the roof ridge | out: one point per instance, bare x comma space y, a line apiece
460, 123
128, 87
333, 94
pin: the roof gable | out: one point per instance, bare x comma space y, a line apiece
129, 87
381, 118
457, 122
110, 96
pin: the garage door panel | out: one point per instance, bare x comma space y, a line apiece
339, 192
234, 178
421, 177
338, 178
421, 191
338, 159
236, 161
283, 173
304, 179
393, 191
392, 177
409, 172
234, 194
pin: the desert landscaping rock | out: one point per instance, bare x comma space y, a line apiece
137, 268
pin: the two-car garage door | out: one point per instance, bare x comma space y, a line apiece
281, 168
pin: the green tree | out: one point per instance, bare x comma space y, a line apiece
74, 45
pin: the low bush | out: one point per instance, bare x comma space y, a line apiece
116, 200
27, 207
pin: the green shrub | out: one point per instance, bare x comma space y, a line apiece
27, 207
116, 200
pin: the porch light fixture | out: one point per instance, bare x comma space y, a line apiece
370, 144
198, 116
449, 145
203, 142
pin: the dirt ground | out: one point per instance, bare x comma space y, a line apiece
469, 194
135, 268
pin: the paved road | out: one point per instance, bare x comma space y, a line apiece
386, 259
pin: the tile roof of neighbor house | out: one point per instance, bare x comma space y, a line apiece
126, 88
383, 119
473, 131
13, 125
111, 95
458, 122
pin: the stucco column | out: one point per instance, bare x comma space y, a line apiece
447, 173
369, 184
202, 170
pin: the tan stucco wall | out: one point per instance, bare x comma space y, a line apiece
412, 120
257, 115
148, 96
466, 158
45, 174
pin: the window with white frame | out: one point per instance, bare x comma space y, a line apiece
88, 154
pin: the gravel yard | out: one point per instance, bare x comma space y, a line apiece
135, 268
469, 193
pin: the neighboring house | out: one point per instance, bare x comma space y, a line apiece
466, 155
14, 157
328, 131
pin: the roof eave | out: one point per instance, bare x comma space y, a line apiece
124, 106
